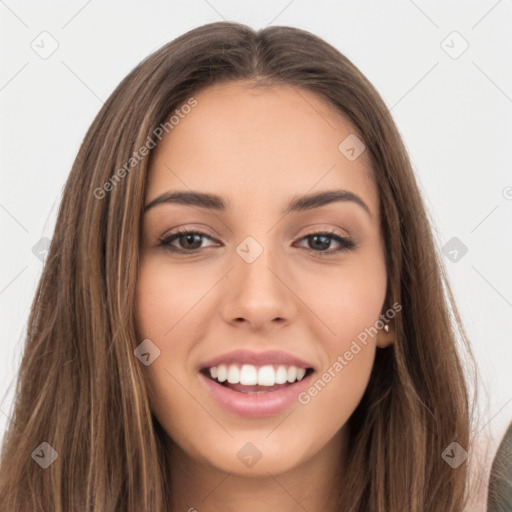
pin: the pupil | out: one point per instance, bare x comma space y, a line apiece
189, 238
322, 245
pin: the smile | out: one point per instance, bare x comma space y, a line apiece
248, 378
255, 384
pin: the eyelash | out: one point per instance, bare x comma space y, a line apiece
165, 242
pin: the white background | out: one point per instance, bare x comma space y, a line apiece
455, 115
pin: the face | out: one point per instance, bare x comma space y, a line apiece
265, 293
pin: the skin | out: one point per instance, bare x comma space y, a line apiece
259, 147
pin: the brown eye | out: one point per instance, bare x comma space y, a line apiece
188, 241
321, 242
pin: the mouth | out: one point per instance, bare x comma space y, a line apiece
255, 384
254, 379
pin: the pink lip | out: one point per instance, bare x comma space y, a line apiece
255, 405
275, 357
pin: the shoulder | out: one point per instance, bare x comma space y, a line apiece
500, 480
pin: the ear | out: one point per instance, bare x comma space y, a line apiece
385, 338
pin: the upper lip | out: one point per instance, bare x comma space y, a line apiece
274, 357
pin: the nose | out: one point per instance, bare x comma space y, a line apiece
259, 294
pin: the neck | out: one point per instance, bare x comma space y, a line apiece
313, 485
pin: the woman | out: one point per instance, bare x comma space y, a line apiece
304, 358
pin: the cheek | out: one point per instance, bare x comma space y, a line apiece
164, 296
158, 306
161, 300
349, 304
350, 307
337, 390
348, 301
151, 299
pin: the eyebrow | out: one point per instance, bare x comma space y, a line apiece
297, 203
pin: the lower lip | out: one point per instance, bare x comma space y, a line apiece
255, 405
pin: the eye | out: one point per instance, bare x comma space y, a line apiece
320, 242
189, 239
190, 242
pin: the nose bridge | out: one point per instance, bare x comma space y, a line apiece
257, 291
256, 265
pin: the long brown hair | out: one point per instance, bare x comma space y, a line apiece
81, 389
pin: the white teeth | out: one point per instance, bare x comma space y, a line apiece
233, 374
250, 375
222, 373
266, 376
281, 375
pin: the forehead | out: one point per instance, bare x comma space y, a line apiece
259, 144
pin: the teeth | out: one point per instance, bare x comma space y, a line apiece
250, 375
233, 374
222, 372
281, 375
266, 376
